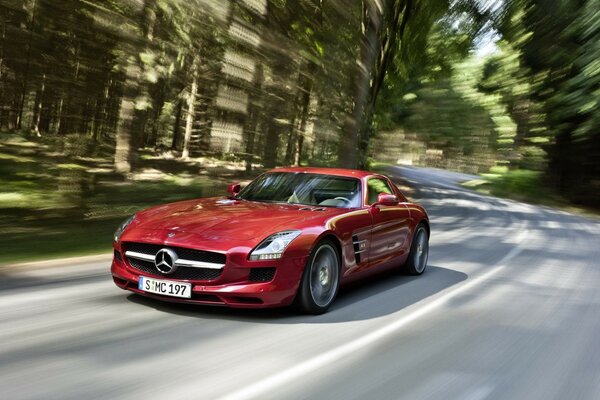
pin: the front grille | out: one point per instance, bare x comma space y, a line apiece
186, 273
117, 256
182, 252
261, 274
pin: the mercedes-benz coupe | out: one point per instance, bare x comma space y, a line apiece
292, 235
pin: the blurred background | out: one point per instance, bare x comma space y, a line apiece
109, 106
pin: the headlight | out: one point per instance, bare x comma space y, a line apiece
122, 228
272, 247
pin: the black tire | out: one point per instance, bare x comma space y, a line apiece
419, 252
320, 280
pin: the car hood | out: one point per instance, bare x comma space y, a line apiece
216, 218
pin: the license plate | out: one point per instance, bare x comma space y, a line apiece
167, 288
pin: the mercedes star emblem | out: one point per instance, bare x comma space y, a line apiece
165, 260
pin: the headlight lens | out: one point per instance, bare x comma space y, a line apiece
272, 247
122, 228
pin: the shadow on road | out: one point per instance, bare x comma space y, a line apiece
381, 295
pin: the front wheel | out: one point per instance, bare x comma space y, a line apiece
321, 278
419, 252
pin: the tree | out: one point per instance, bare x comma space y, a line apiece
379, 28
134, 102
557, 47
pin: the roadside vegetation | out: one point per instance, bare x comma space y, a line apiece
526, 186
63, 198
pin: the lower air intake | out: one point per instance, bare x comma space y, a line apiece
261, 274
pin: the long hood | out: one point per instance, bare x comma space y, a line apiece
221, 218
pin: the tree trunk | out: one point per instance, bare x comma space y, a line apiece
65, 115
83, 125
37, 108
143, 104
125, 126
271, 144
28, 8
113, 108
159, 102
177, 126
58, 115
275, 112
520, 114
306, 84
153, 139
100, 114
560, 164
298, 153
254, 111
290, 149
2, 102
129, 118
394, 29
191, 103
349, 156
250, 130
376, 52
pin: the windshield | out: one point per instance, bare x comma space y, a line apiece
303, 188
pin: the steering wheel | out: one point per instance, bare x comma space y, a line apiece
344, 200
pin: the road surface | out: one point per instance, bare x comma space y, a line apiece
508, 309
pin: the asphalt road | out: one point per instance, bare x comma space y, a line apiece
508, 309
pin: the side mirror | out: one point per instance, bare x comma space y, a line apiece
386, 199
233, 189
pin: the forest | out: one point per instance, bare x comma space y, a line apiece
98, 92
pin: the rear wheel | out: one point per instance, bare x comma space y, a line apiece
321, 279
419, 252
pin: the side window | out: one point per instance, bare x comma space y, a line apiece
376, 186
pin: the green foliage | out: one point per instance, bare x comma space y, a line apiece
539, 90
59, 200
522, 184
295, 82
432, 94
558, 79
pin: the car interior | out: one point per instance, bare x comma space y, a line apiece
327, 197
305, 189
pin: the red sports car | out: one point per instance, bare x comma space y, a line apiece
293, 235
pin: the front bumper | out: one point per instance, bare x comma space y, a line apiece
232, 288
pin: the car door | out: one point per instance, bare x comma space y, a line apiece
391, 224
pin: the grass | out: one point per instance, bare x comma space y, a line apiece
525, 186
519, 184
59, 200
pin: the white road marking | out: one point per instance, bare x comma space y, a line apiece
313, 364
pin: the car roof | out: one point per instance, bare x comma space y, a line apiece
351, 173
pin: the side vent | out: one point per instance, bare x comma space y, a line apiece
359, 247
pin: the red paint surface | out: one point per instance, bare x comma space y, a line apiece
236, 227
